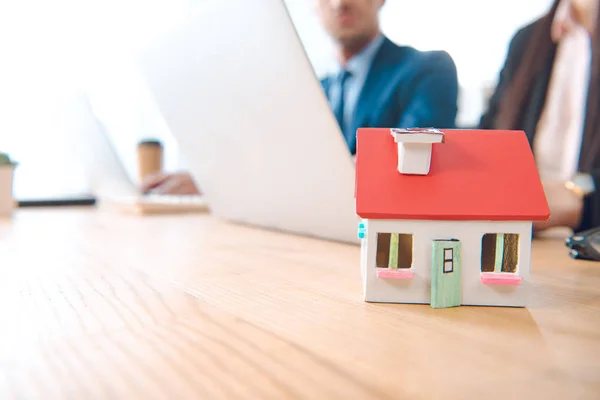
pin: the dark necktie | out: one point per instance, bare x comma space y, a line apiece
339, 109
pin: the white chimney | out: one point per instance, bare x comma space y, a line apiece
414, 148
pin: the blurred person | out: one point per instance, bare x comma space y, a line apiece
178, 183
549, 87
381, 84
378, 83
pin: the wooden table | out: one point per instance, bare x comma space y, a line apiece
99, 305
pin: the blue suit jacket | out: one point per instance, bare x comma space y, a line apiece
405, 88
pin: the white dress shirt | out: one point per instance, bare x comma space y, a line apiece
559, 134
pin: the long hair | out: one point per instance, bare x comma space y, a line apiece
591, 137
539, 51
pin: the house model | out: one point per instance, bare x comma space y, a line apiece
446, 216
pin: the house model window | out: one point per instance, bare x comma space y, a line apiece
500, 259
500, 252
394, 250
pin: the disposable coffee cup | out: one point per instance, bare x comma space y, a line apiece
150, 157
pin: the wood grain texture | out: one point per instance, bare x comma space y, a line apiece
96, 305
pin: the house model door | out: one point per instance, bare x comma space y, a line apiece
445, 274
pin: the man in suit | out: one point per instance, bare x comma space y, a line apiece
381, 84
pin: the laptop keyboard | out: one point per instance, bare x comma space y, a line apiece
163, 204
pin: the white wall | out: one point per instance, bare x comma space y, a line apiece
117, 92
121, 101
40, 113
51, 52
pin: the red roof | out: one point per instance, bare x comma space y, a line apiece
474, 175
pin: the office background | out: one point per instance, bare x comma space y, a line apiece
63, 61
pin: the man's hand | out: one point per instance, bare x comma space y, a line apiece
175, 184
565, 207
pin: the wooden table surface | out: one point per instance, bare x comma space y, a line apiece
99, 305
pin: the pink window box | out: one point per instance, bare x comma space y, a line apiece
501, 278
387, 273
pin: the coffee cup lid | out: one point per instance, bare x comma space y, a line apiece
150, 142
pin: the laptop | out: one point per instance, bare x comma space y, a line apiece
237, 90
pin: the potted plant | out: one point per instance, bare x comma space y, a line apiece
7, 167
